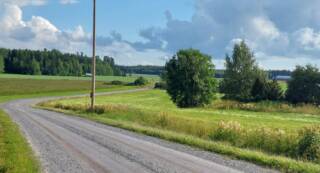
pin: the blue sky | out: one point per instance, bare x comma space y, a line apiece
127, 17
282, 34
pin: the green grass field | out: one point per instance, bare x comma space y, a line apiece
151, 112
15, 153
159, 101
26, 86
99, 78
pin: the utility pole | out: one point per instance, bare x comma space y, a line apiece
93, 67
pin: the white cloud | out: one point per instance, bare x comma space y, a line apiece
268, 61
40, 33
265, 28
127, 55
69, 2
308, 38
218, 24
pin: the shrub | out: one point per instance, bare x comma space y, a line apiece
140, 81
274, 91
160, 85
190, 78
117, 82
259, 90
309, 144
265, 90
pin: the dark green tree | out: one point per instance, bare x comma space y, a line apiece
1, 63
189, 76
259, 90
274, 91
53, 62
266, 90
241, 73
304, 87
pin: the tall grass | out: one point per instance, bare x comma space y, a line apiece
109, 115
269, 140
265, 106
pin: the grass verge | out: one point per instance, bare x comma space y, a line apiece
281, 163
15, 153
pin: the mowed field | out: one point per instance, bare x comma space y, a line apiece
25, 86
264, 133
99, 78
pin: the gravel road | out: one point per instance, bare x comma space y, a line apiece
74, 145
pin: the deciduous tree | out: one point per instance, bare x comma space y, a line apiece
189, 76
241, 73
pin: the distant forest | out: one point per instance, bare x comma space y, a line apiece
142, 69
53, 62
157, 70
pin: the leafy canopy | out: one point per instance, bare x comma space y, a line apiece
1, 64
304, 87
241, 73
189, 76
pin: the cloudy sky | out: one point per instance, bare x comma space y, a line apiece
282, 34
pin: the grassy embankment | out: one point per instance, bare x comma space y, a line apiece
15, 154
264, 133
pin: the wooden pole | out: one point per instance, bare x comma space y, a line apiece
93, 69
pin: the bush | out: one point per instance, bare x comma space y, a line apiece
309, 144
140, 81
160, 85
264, 90
259, 90
190, 78
275, 91
116, 82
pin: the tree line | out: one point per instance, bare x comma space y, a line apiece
142, 69
189, 80
219, 73
53, 62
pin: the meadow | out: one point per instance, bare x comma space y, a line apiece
14, 86
264, 133
99, 78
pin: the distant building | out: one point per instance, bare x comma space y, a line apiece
282, 78
88, 74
